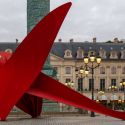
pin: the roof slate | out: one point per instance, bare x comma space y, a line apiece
59, 48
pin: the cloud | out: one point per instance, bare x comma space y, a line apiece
12, 20
87, 18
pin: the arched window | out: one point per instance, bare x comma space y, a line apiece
68, 54
113, 70
102, 70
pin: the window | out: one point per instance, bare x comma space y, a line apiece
56, 69
123, 80
102, 84
9, 50
123, 54
91, 53
68, 80
68, 70
102, 53
113, 70
91, 82
79, 53
123, 70
80, 84
113, 55
113, 82
68, 54
102, 70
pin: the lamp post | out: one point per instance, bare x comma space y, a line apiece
113, 88
119, 102
122, 84
81, 74
70, 85
101, 93
97, 100
92, 63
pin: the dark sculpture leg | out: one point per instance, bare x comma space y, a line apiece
30, 104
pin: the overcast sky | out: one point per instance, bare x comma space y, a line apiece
104, 19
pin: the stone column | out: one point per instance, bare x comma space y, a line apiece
36, 10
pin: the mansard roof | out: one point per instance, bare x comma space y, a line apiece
59, 48
8, 45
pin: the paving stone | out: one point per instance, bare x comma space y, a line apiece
65, 120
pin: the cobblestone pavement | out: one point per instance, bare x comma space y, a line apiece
64, 120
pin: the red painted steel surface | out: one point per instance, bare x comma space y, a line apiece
49, 88
19, 72
23, 85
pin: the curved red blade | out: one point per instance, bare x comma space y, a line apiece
49, 88
25, 64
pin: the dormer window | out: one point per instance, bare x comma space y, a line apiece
91, 53
123, 54
102, 53
80, 53
68, 54
9, 50
113, 55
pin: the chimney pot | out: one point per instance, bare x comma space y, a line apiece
71, 40
60, 40
94, 40
16, 41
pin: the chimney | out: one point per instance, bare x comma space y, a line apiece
60, 40
16, 41
116, 40
71, 40
94, 40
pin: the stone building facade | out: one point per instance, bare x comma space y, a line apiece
65, 57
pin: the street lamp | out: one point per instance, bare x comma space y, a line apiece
101, 93
97, 100
113, 88
92, 63
70, 85
122, 84
81, 74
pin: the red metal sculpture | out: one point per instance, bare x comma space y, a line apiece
21, 82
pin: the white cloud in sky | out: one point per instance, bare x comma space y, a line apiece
104, 19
